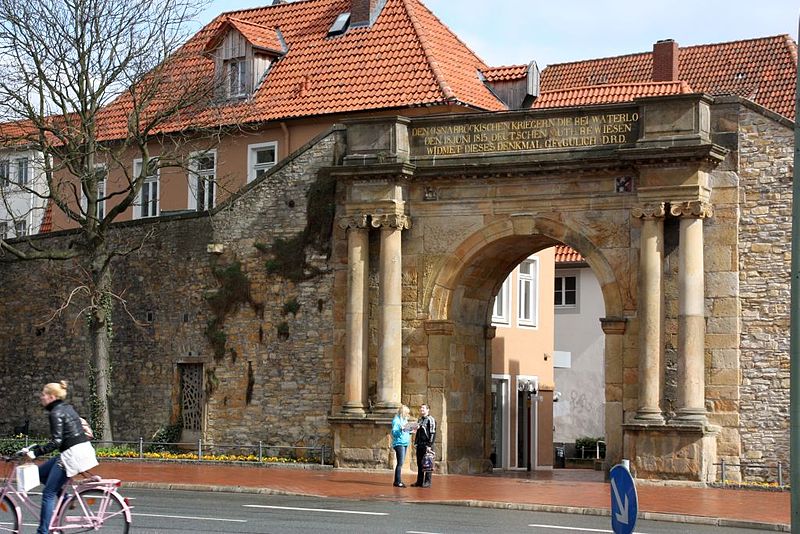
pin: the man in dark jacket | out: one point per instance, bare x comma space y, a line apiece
423, 440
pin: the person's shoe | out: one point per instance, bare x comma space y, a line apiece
416, 485
399, 485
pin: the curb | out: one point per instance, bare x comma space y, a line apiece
552, 508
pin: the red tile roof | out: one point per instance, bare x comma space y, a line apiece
510, 72
763, 70
47, 219
566, 254
408, 57
259, 36
16, 133
608, 94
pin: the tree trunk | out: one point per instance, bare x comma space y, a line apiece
99, 325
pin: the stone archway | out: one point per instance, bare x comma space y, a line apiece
437, 209
459, 297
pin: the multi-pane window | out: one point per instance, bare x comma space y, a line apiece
527, 294
202, 181
101, 174
237, 69
5, 174
260, 159
15, 171
3, 230
20, 228
148, 196
501, 301
566, 291
21, 168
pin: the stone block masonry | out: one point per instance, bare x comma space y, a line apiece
273, 383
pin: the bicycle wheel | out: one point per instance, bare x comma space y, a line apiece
9, 516
91, 508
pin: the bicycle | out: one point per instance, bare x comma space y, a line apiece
82, 506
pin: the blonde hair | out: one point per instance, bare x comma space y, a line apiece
56, 389
403, 411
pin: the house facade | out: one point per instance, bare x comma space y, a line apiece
23, 188
677, 201
578, 354
522, 366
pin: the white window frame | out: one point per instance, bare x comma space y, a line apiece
208, 176
252, 166
528, 292
101, 192
21, 177
501, 304
3, 229
20, 228
5, 174
153, 179
563, 275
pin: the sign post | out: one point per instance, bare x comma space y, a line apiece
624, 501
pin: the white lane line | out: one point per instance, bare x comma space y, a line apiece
192, 517
578, 529
420, 532
312, 509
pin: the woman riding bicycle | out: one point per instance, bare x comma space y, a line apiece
66, 435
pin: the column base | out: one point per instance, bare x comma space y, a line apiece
690, 416
649, 417
356, 409
386, 408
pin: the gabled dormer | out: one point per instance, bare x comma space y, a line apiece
243, 54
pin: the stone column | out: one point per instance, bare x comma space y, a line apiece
651, 259
390, 307
691, 314
356, 325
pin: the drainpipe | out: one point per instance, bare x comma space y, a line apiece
286, 138
794, 330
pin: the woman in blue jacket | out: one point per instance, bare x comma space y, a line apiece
401, 437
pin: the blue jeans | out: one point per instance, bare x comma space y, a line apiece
400, 452
53, 476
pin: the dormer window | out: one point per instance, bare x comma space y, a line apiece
237, 78
243, 54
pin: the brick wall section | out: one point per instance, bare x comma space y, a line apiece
766, 148
170, 276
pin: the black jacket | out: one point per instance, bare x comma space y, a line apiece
426, 433
65, 428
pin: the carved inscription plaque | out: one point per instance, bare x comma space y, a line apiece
481, 136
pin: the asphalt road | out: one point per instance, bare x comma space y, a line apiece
184, 512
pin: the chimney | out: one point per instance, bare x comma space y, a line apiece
665, 61
364, 12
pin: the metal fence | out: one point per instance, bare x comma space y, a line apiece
205, 451
763, 471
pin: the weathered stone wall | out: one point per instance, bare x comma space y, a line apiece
766, 148
269, 385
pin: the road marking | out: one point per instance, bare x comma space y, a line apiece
191, 517
578, 529
420, 532
312, 509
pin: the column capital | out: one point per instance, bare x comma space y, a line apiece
353, 221
613, 325
694, 208
649, 210
391, 220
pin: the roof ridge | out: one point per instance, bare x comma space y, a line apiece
626, 84
767, 38
432, 63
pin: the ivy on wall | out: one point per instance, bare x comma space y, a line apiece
234, 291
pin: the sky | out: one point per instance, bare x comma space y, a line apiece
512, 32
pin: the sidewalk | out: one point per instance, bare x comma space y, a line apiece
560, 490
